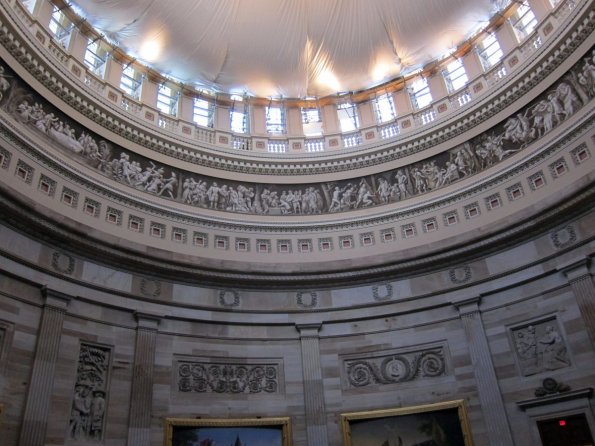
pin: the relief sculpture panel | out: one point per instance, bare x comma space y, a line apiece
395, 367
203, 376
87, 416
540, 347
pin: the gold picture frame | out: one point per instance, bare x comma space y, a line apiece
407, 426
274, 431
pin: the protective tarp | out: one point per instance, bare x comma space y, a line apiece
288, 48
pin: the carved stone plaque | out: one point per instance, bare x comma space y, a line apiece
539, 347
395, 367
206, 376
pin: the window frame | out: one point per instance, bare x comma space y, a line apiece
203, 116
60, 26
234, 116
169, 107
451, 78
275, 119
133, 84
344, 109
482, 51
416, 94
93, 56
380, 119
523, 21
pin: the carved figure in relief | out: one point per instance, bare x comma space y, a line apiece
517, 129
553, 350
97, 411
347, 200
588, 76
364, 195
265, 200
402, 182
336, 200
568, 98
169, 185
383, 190
543, 117
4, 84
79, 417
526, 346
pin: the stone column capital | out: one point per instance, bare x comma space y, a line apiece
148, 321
576, 269
467, 305
55, 299
309, 330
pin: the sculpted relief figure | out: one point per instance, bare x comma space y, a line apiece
540, 347
4, 84
552, 349
79, 416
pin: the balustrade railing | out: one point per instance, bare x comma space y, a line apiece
390, 130
241, 143
352, 139
314, 145
277, 146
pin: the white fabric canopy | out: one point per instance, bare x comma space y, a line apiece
288, 48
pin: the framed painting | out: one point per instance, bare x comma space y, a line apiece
439, 424
224, 432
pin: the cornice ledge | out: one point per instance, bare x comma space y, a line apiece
26, 219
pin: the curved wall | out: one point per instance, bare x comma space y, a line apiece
476, 290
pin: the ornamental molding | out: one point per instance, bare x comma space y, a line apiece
228, 376
399, 366
58, 80
46, 230
62, 262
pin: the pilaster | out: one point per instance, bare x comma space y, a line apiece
581, 282
41, 383
141, 394
313, 386
490, 396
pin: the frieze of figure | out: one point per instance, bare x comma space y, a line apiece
574, 90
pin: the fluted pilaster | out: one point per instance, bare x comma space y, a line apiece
485, 376
313, 386
141, 395
581, 283
34, 426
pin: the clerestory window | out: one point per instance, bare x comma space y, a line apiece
384, 106
275, 119
131, 82
420, 94
60, 26
311, 121
523, 21
203, 112
167, 100
348, 117
238, 115
455, 76
96, 57
489, 52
